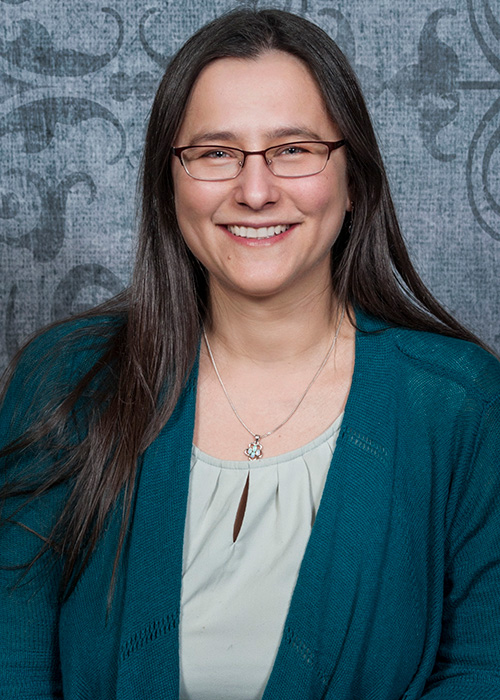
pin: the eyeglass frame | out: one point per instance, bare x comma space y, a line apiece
332, 146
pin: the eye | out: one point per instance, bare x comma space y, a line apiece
215, 154
294, 149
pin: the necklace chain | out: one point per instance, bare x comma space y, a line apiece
254, 449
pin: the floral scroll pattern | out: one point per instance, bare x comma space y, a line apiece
76, 84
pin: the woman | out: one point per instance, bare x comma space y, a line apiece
275, 349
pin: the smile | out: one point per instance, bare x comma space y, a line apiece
258, 233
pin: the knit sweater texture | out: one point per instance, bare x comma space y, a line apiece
398, 595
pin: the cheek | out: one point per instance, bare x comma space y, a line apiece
326, 198
195, 204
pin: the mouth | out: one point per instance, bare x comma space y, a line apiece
258, 233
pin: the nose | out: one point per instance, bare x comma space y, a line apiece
256, 186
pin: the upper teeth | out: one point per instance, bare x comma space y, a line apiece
263, 232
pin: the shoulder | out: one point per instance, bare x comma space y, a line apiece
438, 360
50, 365
73, 333
68, 343
451, 359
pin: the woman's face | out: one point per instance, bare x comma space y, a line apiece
254, 104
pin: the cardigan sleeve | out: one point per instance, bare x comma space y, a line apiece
29, 655
49, 369
29, 607
468, 660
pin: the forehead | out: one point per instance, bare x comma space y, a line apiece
253, 98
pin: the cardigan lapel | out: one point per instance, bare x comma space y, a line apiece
149, 651
326, 630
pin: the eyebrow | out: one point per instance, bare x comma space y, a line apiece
215, 137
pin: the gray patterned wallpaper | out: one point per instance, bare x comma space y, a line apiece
76, 82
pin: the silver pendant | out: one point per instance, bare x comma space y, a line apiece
254, 449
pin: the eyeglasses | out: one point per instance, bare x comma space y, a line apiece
298, 159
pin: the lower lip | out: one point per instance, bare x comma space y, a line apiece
256, 242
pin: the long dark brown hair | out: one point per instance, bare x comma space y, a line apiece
131, 358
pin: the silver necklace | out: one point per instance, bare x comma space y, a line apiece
255, 449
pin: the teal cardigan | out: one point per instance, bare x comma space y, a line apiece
398, 595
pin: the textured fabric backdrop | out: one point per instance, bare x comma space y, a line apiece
77, 79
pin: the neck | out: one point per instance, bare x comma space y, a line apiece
272, 330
